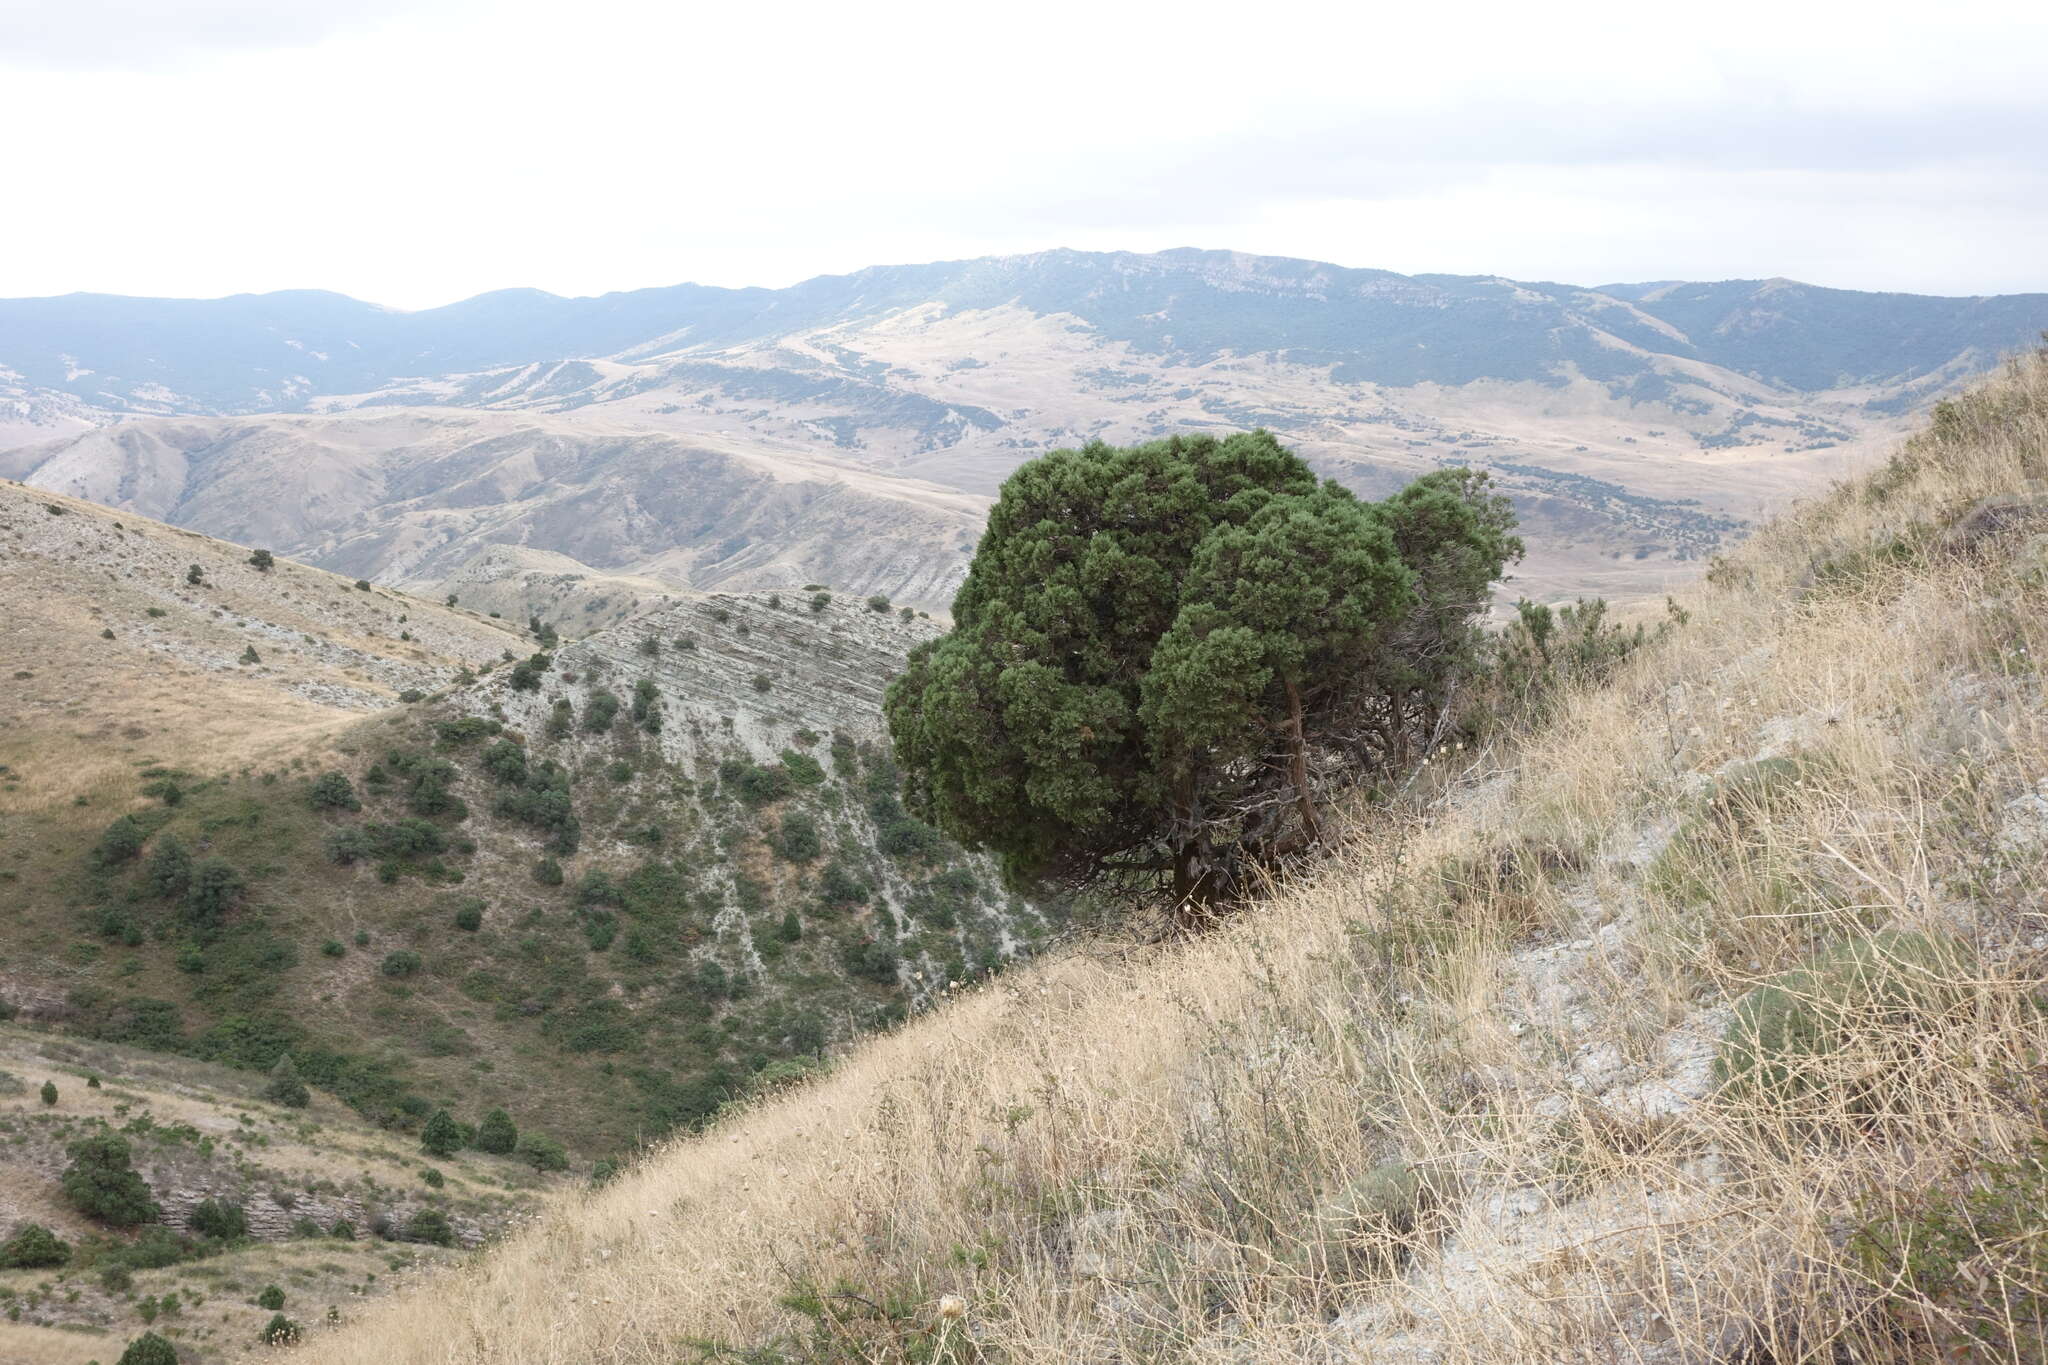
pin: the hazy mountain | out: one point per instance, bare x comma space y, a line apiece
748, 437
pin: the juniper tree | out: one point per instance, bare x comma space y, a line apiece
1165, 655
496, 1133
100, 1182
169, 869
442, 1136
285, 1087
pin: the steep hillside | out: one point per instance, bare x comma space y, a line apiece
332, 1207
1636, 425
602, 889
1701, 1024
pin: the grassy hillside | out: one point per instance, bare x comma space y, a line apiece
603, 889
1703, 1024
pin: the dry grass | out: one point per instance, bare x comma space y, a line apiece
1405, 1112
79, 711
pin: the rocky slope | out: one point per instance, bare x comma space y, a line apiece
197, 1133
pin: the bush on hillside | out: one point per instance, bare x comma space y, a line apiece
33, 1247
149, 1349
505, 761
285, 1087
600, 712
101, 1183
1221, 635
442, 1136
221, 1219
543, 1153
797, 838
49, 1092
216, 888
262, 561
527, 673
281, 1330
333, 791
169, 869
496, 1133
400, 962
120, 841
430, 1226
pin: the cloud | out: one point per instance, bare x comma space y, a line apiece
113, 35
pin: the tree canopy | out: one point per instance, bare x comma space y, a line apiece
1163, 656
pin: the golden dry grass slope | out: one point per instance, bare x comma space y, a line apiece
112, 659
1468, 1094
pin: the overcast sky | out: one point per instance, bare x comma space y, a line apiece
414, 152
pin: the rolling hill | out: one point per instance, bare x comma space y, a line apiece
849, 429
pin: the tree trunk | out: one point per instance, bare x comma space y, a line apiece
1298, 767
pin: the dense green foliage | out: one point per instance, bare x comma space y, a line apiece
221, 1219
496, 1133
33, 1247
101, 1183
285, 1087
1163, 655
149, 1349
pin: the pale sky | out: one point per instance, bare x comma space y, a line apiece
413, 152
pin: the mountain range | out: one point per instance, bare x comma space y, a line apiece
851, 429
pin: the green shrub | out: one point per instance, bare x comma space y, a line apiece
194, 575
797, 838
803, 770
343, 1230
400, 962
120, 841
102, 1184
49, 1092
878, 603
272, 1298
149, 1349
506, 762
250, 656
600, 712
285, 1087
169, 869
820, 601
527, 673
442, 1136
333, 948
496, 1133
469, 917
33, 1247
348, 846
543, 1153
217, 885
223, 1220
561, 718
548, 872
1787, 1035
430, 1226
281, 1330
263, 561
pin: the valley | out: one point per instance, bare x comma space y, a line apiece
851, 429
